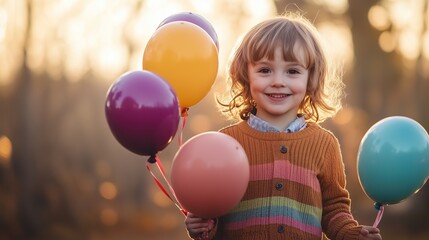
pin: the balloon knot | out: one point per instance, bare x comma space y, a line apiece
184, 112
377, 206
152, 159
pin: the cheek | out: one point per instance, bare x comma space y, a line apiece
255, 86
300, 87
253, 90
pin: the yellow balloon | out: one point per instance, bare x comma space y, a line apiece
186, 57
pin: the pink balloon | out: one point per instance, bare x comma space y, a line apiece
210, 173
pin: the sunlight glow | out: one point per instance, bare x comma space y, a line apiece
36, 59
402, 12
339, 37
12, 23
378, 17
142, 27
8, 67
199, 123
335, 6
409, 44
3, 24
108, 39
77, 38
387, 41
344, 117
106, 63
426, 45
407, 26
76, 63
258, 8
204, 7
54, 60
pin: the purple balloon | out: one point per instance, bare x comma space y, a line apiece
195, 19
142, 111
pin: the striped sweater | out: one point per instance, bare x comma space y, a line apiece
296, 188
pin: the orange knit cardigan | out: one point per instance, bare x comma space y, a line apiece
296, 188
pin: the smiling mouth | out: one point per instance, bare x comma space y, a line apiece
277, 95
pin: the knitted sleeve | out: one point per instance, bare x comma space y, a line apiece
337, 220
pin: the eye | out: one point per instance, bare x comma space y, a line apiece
264, 70
293, 71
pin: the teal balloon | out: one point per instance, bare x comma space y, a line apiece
393, 160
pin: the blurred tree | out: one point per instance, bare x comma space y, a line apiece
61, 56
67, 176
391, 83
383, 79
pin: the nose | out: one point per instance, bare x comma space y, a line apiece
278, 80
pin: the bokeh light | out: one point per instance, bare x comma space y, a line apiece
387, 41
409, 44
338, 40
5, 149
108, 190
378, 17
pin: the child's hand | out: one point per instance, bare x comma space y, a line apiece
369, 233
197, 226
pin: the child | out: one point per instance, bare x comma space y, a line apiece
281, 86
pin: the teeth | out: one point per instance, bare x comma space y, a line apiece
278, 95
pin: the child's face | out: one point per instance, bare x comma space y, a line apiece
278, 87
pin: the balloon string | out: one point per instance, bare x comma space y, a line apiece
161, 169
379, 215
184, 114
181, 130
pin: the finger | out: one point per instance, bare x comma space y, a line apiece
371, 230
198, 225
364, 232
374, 231
197, 231
193, 220
374, 237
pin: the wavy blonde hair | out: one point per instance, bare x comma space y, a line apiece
324, 88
